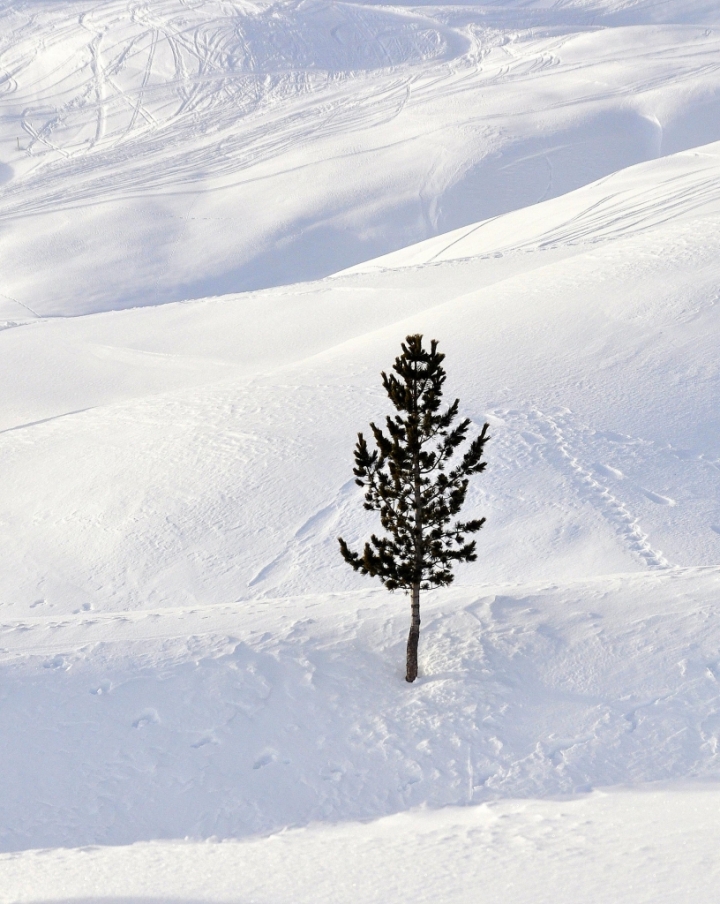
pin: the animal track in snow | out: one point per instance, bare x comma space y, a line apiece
147, 717
205, 740
607, 471
613, 508
553, 438
265, 759
57, 662
104, 687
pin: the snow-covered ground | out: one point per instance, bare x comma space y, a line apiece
217, 222
622, 847
237, 719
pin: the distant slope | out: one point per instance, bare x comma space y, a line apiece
152, 154
634, 202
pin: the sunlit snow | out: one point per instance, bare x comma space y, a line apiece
218, 220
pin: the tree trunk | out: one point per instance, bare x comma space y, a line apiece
414, 636
411, 667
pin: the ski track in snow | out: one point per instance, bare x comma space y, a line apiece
215, 79
216, 100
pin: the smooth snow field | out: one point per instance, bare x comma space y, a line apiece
218, 221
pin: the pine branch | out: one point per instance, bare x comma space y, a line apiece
406, 481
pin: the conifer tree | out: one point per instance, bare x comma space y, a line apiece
409, 479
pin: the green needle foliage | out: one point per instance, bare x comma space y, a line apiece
409, 479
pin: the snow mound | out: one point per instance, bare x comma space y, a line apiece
519, 852
236, 720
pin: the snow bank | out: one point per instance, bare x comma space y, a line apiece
235, 720
634, 846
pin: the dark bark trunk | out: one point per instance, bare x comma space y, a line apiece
411, 666
414, 637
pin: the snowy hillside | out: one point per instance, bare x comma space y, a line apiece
218, 220
198, 149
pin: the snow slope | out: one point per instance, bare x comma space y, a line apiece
590, 347
182, 653
193, 151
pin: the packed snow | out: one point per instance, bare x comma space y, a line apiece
218, 220
611, 848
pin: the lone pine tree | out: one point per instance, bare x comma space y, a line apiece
409, 480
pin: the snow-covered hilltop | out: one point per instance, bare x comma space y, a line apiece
217, 222
205, 148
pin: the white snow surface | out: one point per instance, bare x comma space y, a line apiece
623, 847
218, 220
